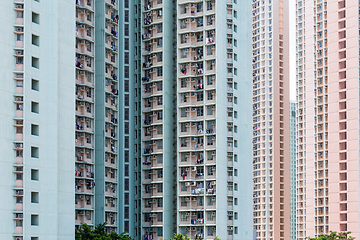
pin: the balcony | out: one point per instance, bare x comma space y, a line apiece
82, 4
84, 47
81, 218
83, 18
83, 201
110, 204
81, 78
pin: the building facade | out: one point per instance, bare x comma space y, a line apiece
271, 129
195, 119
97, 99
150, 131
293, 168
213, 119
37, 119
328, 101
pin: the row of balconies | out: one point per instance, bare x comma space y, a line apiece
84, 77
18, 125
195, 39
84, 201
151, 33
196, 99
150, 5
194, 129
84, 16
196, 69
151, 162
84, 31
84, 185
187, 175
154, 45
192, 84
83, 139
150, 133
198, 146
152, 193
152, 104
152, 89
83, 62
84, 4
193, 113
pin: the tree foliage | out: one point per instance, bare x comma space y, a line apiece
179, 236
334, 236
98, 233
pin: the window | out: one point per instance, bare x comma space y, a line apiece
126, 113
126, 44
35, 18
126, 198
34, 174
19, 14
19, 37
19, 176
126, 184
159, 71
35, 107
35, 85
34, 197
19, 60
126, 57
35, 62
126, 71
126, 30
19, 199
19, 83
126, 16
34, 130
34, 152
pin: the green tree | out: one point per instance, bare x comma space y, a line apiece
98, 233
333, 236
179, 236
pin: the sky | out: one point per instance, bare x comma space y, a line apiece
292, 23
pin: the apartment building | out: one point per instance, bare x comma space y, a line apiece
37, 119
213, 119
97, 98
195, 119
159, 87
271, 129
327, 100
293, 168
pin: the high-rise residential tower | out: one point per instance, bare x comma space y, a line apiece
271, 129
195, 87
37, 119
213, 121
293, 168
327, 117
139, 117
96, 112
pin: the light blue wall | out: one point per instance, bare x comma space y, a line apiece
243, 92
55, 119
